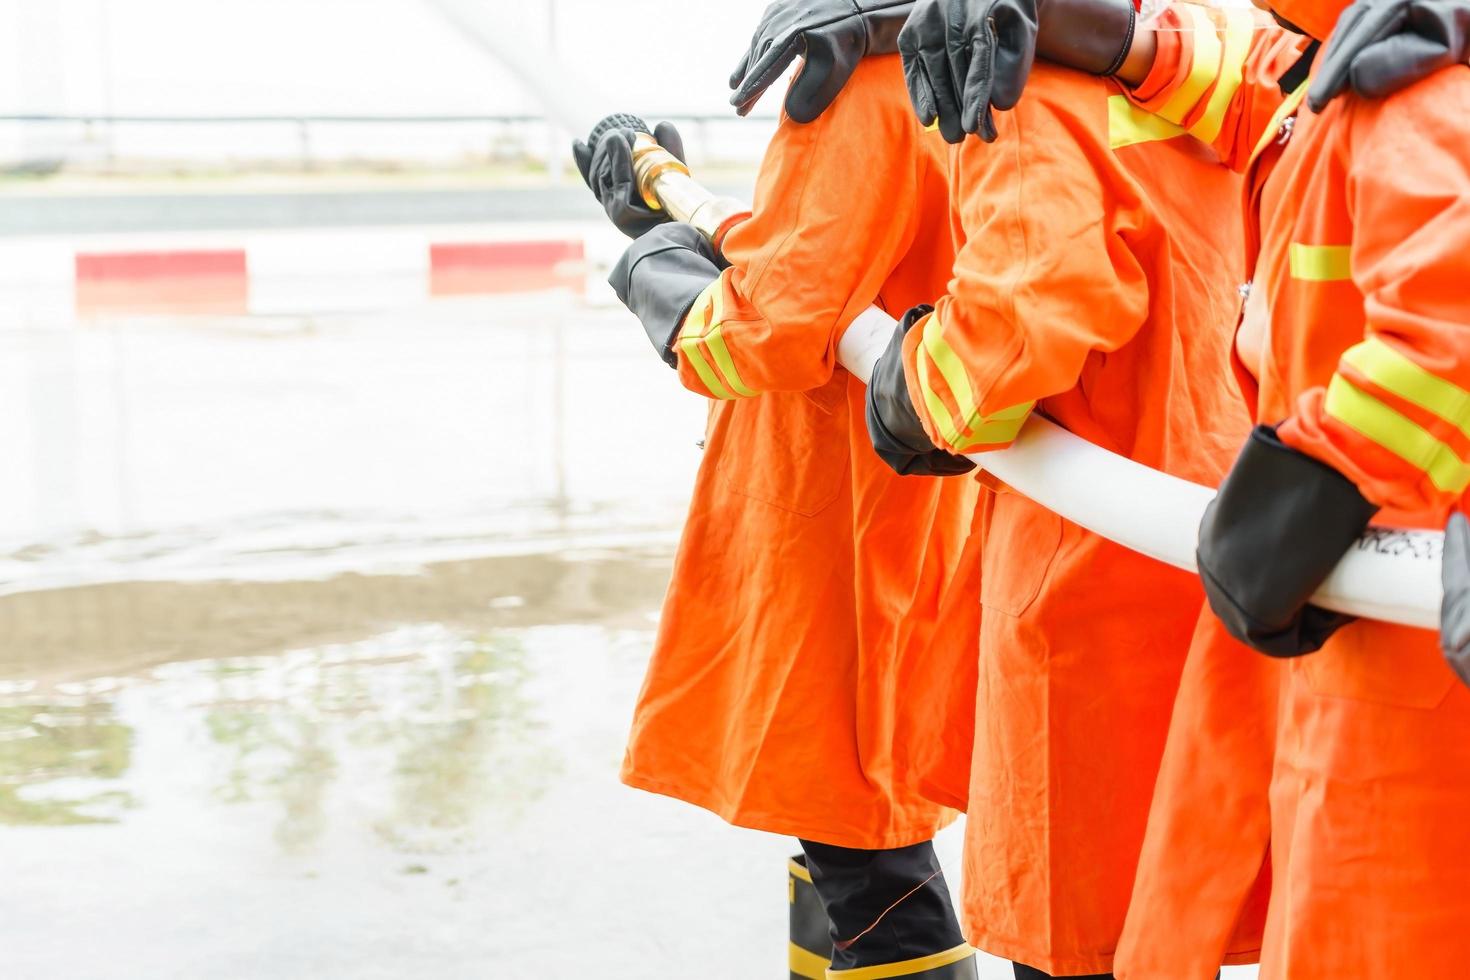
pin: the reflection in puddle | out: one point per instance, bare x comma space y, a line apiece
441, 732
447, 721
60, 763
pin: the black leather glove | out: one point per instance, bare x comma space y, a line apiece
1454, 615
1277, 528
660, 276
832, 35
962, 59
608, 170
893, 426
1381, 46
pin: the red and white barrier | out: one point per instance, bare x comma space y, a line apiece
280, 273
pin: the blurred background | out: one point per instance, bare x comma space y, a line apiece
338, 497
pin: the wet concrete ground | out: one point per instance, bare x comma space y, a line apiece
318, 643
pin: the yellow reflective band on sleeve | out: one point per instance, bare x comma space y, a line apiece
948, 363
798, 870
938, 411
692, 353
1203, 69
1239, 29
805, 963
905, 968
1320, 263
1291, 104
1129, 125
704, 323
979, 430
717, 347
997, 429
1392, 371
1379, 423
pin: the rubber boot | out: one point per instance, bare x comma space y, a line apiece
891, 913
811, 933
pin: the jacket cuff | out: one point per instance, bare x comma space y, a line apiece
660, 276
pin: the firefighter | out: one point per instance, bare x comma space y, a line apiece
1356, 346
1353, 353
771, 698
1093, 286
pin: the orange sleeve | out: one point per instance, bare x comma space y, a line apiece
835, 211
1218, 75
1395, 418
1045, 277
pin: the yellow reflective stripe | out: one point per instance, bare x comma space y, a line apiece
1239, 29
948, 363
798, 870
1403, 437
1392, 371
702, 313
716, 342
1129, 125
1291, 104
905, 968
938, 411
805, 963
704, 321
1203, 69
1320, 263
978, 430
690, 346
1002, 427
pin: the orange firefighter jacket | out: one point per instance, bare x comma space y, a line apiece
1356, 338
1199, 899
934, 748
1094, 285
771, 698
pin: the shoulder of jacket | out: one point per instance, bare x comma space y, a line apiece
1437, 107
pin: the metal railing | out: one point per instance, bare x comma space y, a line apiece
43, 142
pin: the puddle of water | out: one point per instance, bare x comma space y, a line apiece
428, 801
286, 447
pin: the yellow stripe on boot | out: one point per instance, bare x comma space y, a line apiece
810, 951
952, 964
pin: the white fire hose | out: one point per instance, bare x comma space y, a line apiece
1391, 575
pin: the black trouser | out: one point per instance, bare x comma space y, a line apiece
1024, 972
857, 889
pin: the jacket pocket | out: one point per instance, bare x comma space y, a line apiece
1021, 543
787, 450
1381, 664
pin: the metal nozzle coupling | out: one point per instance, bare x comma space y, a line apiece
650, 162
664, 183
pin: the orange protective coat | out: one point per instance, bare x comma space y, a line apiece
771, 698
1357, 339
934, 747
1204, 875
1096, 280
